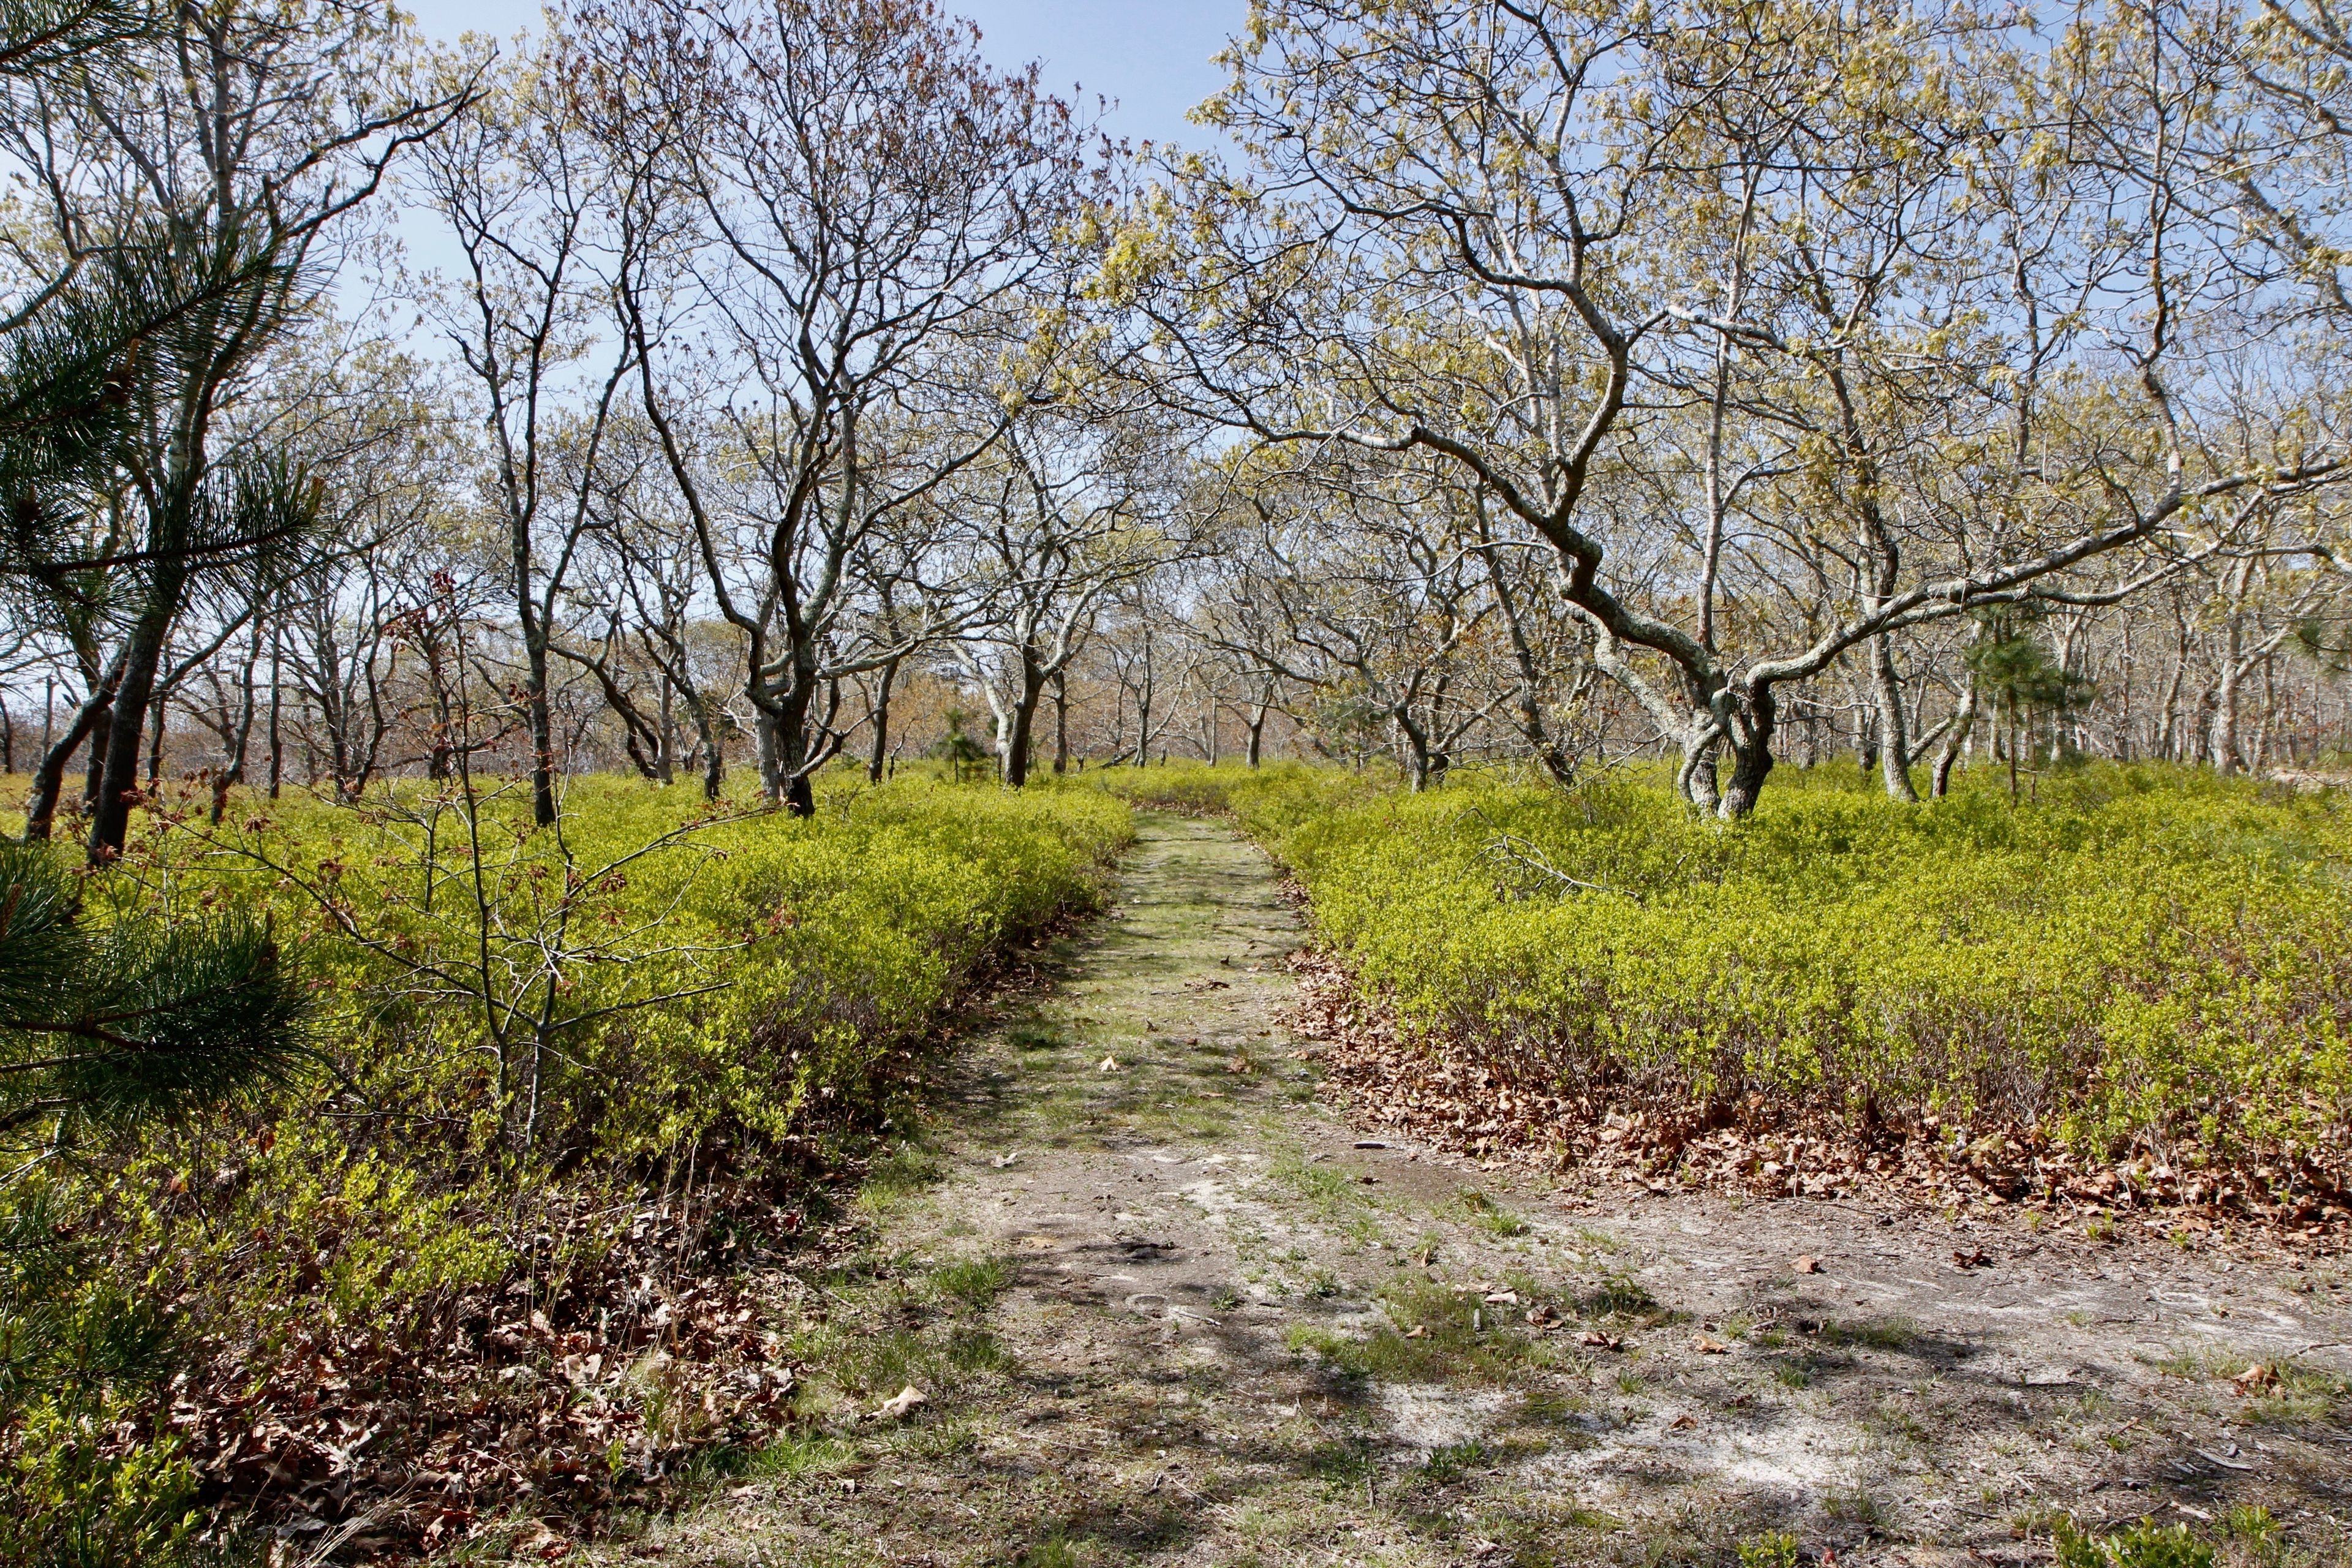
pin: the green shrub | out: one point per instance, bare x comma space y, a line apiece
2141, 1545
2143, 953
1774, 1548
82, 1486
523, 1034
87, 1478
652, 972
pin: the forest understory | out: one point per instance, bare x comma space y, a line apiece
1118, 1168
1452, 1094
1163, 1283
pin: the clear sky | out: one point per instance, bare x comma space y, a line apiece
1152, 55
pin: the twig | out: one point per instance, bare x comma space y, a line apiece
1509, 846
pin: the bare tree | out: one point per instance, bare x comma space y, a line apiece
854, 212
1067, 509
1380, 594
519, 188
217, 169
1523, 189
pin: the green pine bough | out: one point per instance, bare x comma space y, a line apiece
114, 1021
109, 1021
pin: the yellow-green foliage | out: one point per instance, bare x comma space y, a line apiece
515, 1028
655, 969
2138, 951
71, 1491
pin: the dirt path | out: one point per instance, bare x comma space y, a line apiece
1162, 1307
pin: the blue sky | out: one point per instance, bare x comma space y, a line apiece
1152, 56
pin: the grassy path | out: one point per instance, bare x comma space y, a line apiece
1162, 1307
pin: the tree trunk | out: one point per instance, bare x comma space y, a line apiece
1414, 752
1529, 704
48, 776
642, 738
2260, 758
276, 739
783, 748
707, 743
540, 721
1894, 738
1024, 718
155, 740
233, 774
119, 777
879, 755
1751, 764
1695, 780
95, 779
714, 759
2225, 752
1062, 721
764, 736
2168, 740
666, 747
1963, 722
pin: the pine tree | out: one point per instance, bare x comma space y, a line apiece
114, 1022
2012, 665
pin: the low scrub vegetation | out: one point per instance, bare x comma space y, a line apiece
478, 1260
2150, 967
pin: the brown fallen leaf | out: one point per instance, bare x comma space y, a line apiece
900, 1405
1808, 1264
1419, 1331
1606, 1341
1980, 1258
1681, 1423
1706, 1346
2257, 1380
1109, 1064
